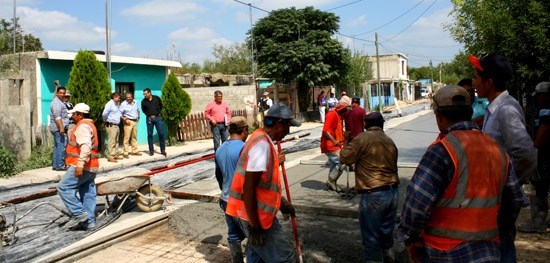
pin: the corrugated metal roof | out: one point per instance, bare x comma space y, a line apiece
65, 55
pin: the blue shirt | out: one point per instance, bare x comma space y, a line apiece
430, 180
58, 111
227, 157
479, 105
505, 123
111, 114
129, 111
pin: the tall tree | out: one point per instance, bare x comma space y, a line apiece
176, 104
89, 83
31, 43
297, 45
518, 30
360, 72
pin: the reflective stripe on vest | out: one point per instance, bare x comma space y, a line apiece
268, 190
73, 149
468, 208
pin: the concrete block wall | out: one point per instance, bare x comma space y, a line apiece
235, 96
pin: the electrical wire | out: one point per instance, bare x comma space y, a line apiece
255, 7
393, 20
353, 37
345, 5
407, 27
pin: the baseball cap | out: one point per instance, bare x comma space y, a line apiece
282, 111
542, 87
355, 99
344, 93
266, 93
451, 95
374, 116
493, 65
238, 121
67, 93
80, 107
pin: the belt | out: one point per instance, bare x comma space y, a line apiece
381, 188
132, 119
109, 124
153, 116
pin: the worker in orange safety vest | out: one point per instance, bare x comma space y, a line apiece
255, 195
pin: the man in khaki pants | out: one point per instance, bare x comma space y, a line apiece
130, 117
111, 117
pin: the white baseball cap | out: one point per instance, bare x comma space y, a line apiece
542, 87
80, 107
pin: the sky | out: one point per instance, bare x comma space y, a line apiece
187, 29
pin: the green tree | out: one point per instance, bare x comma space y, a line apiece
297, 45
234, 59
419, 73
518, 30
31, 43
89, 83
176, 104
360, 71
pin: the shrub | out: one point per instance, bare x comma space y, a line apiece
40, 157
7, 162
176, 104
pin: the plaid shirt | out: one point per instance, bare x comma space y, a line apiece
432, 176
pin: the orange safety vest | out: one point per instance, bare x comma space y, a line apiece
468, 209
73, 149
268, 190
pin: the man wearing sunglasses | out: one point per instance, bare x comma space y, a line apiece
478, 104
505, 123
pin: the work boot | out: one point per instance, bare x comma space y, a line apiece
539, 211
332, 186
236, 252
388, 255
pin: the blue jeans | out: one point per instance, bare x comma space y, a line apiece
157, 123
234, 232
85, 185
334, 160
507, 247
59, 146
377, 212
219, 131
276, 247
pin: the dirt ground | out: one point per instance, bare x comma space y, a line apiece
532, 247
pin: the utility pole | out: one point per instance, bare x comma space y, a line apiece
252, 49
440, 74
14, 26
432, 77
108, 53
378, 72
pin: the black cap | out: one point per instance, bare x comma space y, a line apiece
493, 65
282, 111
374, 116
355, 99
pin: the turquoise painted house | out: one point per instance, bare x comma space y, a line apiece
128, 74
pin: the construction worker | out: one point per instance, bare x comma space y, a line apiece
83, 163
462, 183
375, 157
257, 178
332, 140
505, 123
227, 157
539, 202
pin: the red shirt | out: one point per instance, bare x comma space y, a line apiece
354, 120
333, 124
217, 112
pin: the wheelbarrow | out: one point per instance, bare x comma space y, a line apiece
149, 197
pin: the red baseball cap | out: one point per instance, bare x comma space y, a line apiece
344, 93
475, 62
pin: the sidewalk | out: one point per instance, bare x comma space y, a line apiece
47, 174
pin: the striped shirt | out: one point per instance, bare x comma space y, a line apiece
432, 176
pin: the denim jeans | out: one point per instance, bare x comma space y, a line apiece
507, 247
59, 146
276, 247
85, 185
234, 232
334, 160
377, 212
219, 131
157, 123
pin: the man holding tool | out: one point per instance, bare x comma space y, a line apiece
375, 156
255, 196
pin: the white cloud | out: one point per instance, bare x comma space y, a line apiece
161, 11
121, 48
360, 21
186, 33
59, 27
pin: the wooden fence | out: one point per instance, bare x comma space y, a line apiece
196, 126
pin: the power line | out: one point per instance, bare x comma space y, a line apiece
343, 5
353, 37
433, 3
250, 5
393, 20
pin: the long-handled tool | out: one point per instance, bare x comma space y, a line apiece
290, 201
